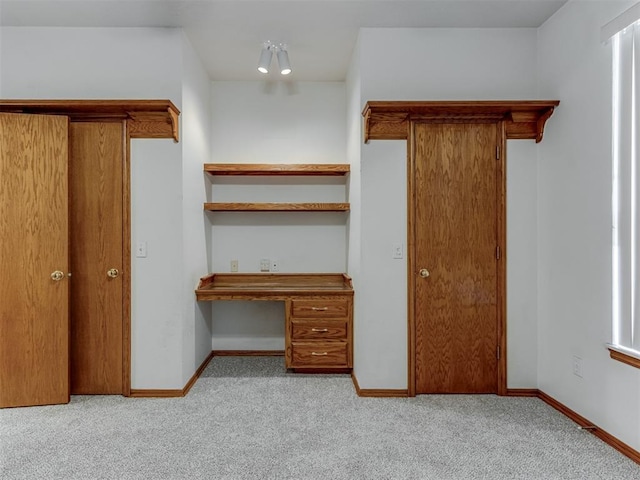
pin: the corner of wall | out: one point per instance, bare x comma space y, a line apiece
354, 145
196, 231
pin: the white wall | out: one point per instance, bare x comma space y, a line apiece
274, 122
574, 226
522, 264
156, 306
196, 231
54, 62
135, 63
437, 64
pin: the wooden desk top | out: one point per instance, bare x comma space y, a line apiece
271, 286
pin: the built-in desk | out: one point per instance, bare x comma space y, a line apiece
318, 312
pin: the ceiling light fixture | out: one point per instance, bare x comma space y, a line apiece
267, 54
265, 57
283, 60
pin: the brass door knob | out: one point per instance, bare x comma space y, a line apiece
57, 276
424, 273
113, 273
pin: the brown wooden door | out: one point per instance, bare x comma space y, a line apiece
96, 225
34, 321
456, 312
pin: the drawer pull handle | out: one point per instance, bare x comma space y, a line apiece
319, 354
319, 309
321, 330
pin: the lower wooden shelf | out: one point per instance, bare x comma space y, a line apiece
276, 207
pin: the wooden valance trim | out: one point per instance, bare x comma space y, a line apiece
389, 120
145, 118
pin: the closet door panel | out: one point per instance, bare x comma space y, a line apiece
34, 287
96, 184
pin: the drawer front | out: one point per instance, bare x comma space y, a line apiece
319, 354
319, 330
320, 308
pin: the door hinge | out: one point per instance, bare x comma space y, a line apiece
498, 252
498, 152
498, 352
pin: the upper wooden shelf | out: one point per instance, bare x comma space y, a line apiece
257, 169
145, 118
390, 120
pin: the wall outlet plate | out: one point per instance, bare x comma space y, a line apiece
275, 265
265, 265
577, 366
233, 266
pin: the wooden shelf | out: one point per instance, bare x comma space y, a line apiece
276, 207
262, 169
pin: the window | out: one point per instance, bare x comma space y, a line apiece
626, 188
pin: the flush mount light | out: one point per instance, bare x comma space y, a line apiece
267, 54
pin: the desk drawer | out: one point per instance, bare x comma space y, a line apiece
319, 354
320, 308
319, 329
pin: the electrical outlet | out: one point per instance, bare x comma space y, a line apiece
577, 366
141, 250
265, 265
275, 265
398, 250
234, 266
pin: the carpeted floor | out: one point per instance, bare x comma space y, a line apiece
248, 419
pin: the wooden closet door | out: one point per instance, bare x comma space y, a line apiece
34, 299
456, 237
97, 151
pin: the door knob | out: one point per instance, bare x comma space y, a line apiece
112, 273
424, 273
57, 276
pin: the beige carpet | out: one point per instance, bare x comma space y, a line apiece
246, 419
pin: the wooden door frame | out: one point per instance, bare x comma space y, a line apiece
126, 262
501, 272
517, 119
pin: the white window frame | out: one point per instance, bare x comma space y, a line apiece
624, 33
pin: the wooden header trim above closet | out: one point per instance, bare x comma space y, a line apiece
145, 118
389, 120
